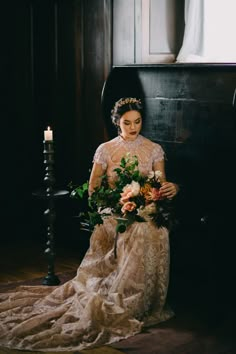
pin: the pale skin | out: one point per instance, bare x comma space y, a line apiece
130, 125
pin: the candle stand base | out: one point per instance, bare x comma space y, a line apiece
51, 279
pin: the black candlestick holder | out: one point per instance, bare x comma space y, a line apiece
50, 194
50, 213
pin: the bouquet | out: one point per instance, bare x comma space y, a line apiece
134, 197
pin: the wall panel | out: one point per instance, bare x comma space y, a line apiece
56, 56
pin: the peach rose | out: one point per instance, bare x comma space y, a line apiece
154, 194
128, 206
129, 191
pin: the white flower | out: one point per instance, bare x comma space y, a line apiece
104, 211
133, 188
151, 174
157, 174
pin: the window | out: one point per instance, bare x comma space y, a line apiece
210, 30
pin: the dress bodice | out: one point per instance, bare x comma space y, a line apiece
110, 153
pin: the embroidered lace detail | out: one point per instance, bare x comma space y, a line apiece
110, 153
110, 298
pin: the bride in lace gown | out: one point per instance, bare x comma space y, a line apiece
110, 298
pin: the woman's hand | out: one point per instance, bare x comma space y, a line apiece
169, 190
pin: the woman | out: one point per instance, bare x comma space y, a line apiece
110, 298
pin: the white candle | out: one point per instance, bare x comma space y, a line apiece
48, 134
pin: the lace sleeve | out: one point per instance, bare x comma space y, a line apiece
158, 153
101, 156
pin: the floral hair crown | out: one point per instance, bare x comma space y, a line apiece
128, 100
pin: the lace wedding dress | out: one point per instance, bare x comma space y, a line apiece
110, 298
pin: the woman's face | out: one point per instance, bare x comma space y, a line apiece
130, 125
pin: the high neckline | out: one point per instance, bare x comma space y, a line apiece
130, 142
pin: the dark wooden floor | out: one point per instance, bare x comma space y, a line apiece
25, 261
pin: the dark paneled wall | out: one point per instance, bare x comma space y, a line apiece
189, 110
94, 56
55, 56
187, 106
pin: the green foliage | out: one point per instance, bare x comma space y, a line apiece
80, 191
106, 200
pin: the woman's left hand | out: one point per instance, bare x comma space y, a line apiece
169, 190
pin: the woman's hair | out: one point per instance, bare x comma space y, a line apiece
124, 105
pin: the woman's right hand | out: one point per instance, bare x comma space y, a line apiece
169, 190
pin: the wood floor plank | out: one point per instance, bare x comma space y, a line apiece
19, 263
